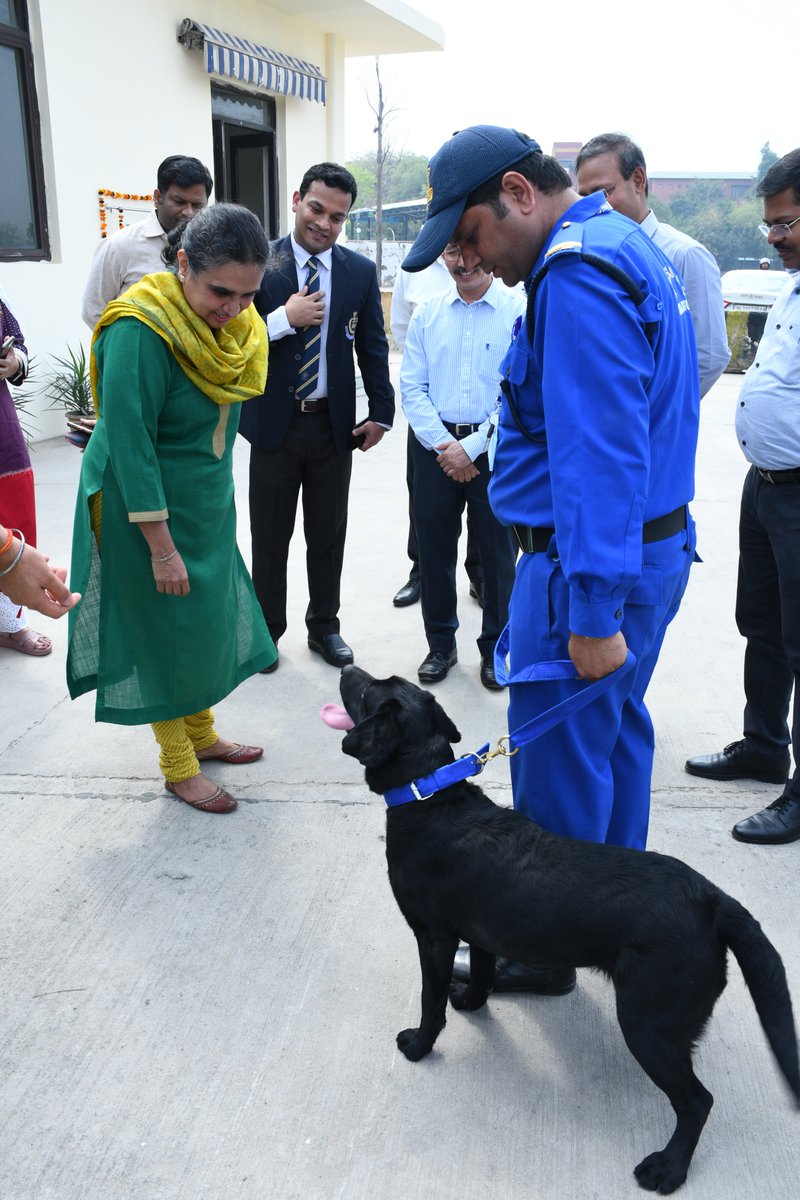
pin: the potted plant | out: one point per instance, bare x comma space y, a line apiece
70, 388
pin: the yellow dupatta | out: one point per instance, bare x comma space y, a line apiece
228, 365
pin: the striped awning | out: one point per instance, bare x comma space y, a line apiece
236, 58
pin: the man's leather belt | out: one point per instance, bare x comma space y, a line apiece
461, 431
312, 406
536, 540
790, 476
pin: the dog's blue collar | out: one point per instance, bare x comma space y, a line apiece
441, 778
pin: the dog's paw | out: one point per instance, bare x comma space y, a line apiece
660, 1172
412, 1046
465, 998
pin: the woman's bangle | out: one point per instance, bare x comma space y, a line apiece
9, 540
18, 555
166, 557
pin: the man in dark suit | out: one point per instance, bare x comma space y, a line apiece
321, 302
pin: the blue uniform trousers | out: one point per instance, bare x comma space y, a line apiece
589, 777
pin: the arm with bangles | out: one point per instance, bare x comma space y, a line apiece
26, 578
169, 570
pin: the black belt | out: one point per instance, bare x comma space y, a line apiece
461, 431
312, 406
790, 476
536, 540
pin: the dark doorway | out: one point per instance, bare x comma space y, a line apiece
245, 162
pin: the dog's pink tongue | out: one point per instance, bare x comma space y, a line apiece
336, 716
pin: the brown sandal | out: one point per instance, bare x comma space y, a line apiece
219, 801
242, 754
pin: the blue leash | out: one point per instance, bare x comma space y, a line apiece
473, 764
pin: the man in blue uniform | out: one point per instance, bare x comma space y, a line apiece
594, 469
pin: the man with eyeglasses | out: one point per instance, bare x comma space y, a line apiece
613, 163
768, 592
450, 384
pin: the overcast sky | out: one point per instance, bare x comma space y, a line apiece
699, 84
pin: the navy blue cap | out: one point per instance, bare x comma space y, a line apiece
470, 158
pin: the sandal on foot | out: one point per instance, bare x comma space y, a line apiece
27, 641
242, 754
219, 801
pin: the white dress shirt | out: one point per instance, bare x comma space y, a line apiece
412, 288
700, 273
120, 261
768, 410
451, 364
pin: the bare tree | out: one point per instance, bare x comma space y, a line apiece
384, 157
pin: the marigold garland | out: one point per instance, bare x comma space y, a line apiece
102, 193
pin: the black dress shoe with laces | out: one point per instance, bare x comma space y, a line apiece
435, 666
740, 761
409, 594
510, 976
488, 677
779, 822
333, 649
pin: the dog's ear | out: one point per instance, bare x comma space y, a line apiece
443, 724
374, 740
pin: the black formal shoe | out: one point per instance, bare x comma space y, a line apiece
435, 665
779, 822
510, 976
476, 593
272, 667
334, 649
740, 761
488, 678
408, 594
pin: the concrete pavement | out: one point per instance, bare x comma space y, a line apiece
204, 1008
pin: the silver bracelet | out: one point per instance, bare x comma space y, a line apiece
18, 555
166, 557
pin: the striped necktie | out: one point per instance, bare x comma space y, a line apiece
312, 342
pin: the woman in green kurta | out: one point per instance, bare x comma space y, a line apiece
169, 623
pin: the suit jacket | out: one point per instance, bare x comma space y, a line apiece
355, 322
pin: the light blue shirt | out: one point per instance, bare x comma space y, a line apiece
451, 364
699, 271
278, 323
768, 411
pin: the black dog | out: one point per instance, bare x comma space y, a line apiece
463, 869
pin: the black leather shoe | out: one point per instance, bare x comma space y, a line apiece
488, 678
408, 594
779, 822
272, 667
476, 593
512, 976
740, 761
333, 648
435, 665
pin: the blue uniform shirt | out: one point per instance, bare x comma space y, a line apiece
613, 406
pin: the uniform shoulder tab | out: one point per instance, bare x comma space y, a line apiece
568, 240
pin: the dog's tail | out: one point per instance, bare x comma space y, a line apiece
765, 976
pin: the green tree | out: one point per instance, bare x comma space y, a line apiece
768, 158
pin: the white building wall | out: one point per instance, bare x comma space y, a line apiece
117, 94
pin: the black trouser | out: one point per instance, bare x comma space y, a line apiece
438, 504
472, 558
768, 614
307, 459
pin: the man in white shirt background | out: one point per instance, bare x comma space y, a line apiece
183, 188
768, 589
612, 163
450, 383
